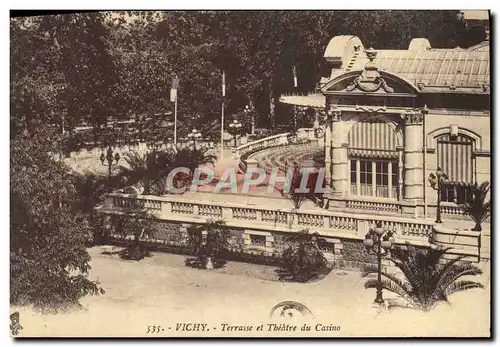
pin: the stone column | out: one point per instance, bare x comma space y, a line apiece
328, 149
413, 161
338, 157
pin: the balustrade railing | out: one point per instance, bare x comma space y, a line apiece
267, 142
451, 209
324, 222
372, 205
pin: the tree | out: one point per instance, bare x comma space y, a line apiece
426, 278
294, 193
302, 260
70, 78
143, 71
48, 257
138, 224
477, 207
208, 241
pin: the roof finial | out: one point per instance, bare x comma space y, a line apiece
371, 54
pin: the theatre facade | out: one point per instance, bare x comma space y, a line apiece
393, 117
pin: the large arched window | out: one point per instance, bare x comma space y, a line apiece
373, 159
454, 156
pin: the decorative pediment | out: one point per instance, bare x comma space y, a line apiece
370, 80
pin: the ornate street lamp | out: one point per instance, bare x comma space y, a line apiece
235, 129
438, 180
247, 111
379, 241
194, 135
110, 159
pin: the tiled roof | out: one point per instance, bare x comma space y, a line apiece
436, 68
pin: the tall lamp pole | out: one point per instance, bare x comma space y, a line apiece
379, 241
222, 115
252, 118
234, 129
438, 181
110, 159
173, 98
195, 135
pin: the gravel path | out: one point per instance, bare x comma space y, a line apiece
160, 290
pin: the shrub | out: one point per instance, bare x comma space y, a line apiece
302, 260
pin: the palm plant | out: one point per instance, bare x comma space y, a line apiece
426, 278
209, 241
139, 224
477, 207
192, 159
148, 170
302, 260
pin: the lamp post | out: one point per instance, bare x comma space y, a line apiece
437, 181
234, 129
109, 160
247, 111
379, 241
194, 135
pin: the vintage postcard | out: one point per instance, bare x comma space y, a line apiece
250, 174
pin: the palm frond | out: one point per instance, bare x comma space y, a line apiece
392, 287
460, 286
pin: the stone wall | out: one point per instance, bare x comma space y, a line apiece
341, 253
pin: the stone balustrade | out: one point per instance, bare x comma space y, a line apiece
332, 224
451, 209
96, 151
258, 145
373, 205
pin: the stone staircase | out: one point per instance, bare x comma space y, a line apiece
285, 156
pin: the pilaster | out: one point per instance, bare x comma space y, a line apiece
413, 156
339, 156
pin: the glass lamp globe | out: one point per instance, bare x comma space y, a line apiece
432, 180
368, 243
378, 230
386, 244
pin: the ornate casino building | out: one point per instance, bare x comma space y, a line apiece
393, 117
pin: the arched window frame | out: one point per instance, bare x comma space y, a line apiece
452, 193
394, 167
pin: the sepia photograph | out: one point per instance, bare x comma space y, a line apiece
250, 173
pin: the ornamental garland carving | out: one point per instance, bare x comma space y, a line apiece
370, 80
369, 85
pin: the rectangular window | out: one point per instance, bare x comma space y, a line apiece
366, 171
365, 177
448, 193
382, 178
381, 174
455, 193
257, 240
395, 181
353, 171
